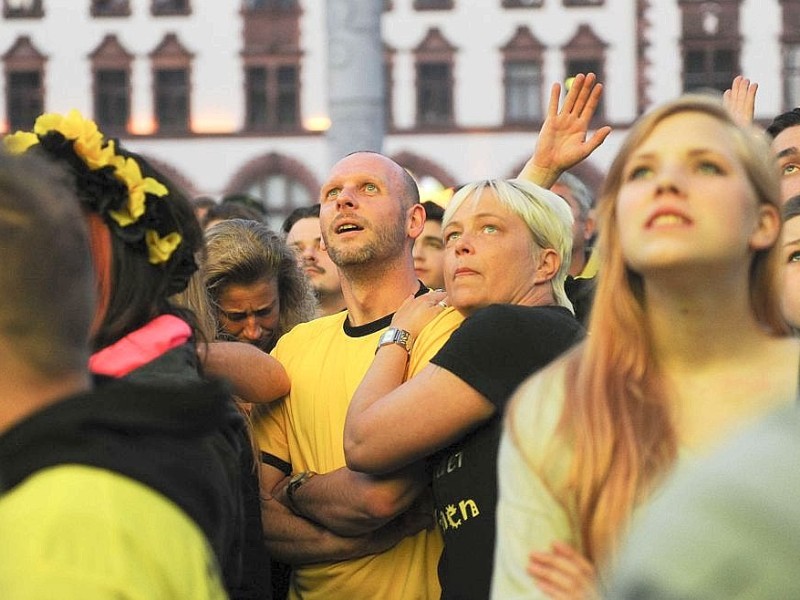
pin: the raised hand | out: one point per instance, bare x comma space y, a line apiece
562, 139
740, 100
564, 573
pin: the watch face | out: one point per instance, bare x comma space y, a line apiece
394, 336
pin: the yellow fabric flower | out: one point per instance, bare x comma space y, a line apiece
159, 249
87, 138
128, 172
19, 142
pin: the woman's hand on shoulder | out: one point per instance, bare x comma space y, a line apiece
415, 313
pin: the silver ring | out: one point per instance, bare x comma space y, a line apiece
442, 303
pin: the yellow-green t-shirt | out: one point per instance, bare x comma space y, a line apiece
74, 532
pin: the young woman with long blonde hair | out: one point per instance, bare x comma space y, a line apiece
687, 343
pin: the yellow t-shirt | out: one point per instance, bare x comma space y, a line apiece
306, 429
83, 533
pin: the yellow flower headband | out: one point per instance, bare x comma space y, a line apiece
125, 203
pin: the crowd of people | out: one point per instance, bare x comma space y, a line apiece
522, 394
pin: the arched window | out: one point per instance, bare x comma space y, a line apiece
280, 183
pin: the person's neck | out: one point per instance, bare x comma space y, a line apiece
374, 291
23, 393
329, 304
695, 323
577, 262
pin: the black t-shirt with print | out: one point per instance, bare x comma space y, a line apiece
493, 351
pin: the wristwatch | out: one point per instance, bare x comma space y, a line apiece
393, 335
295, 482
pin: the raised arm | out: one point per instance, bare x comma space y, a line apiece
740, 100
391, 424
255, 375
562, 141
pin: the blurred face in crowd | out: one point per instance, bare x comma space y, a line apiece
686, 200
428, 255
786, 147
306, 240
582, 228
790, 254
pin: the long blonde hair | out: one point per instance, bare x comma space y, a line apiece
615, 411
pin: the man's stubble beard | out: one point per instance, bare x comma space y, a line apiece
390, 242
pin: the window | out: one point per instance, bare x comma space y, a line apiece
257, 109
111, 99
287, 97
433, 4
522, 3
710, 67
25, 98
280, 183
276, 5
434, 94
585, 53
170, 7
172, 100
522, 64
110, 8
111, 68
272, 56
171, 64
434, 58
710, 44
791, 75
280, 194
23, 9
523, 83
272, 96
24, 83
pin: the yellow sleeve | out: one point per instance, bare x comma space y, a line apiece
269, 428
79, 533
432, 338
269, 420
